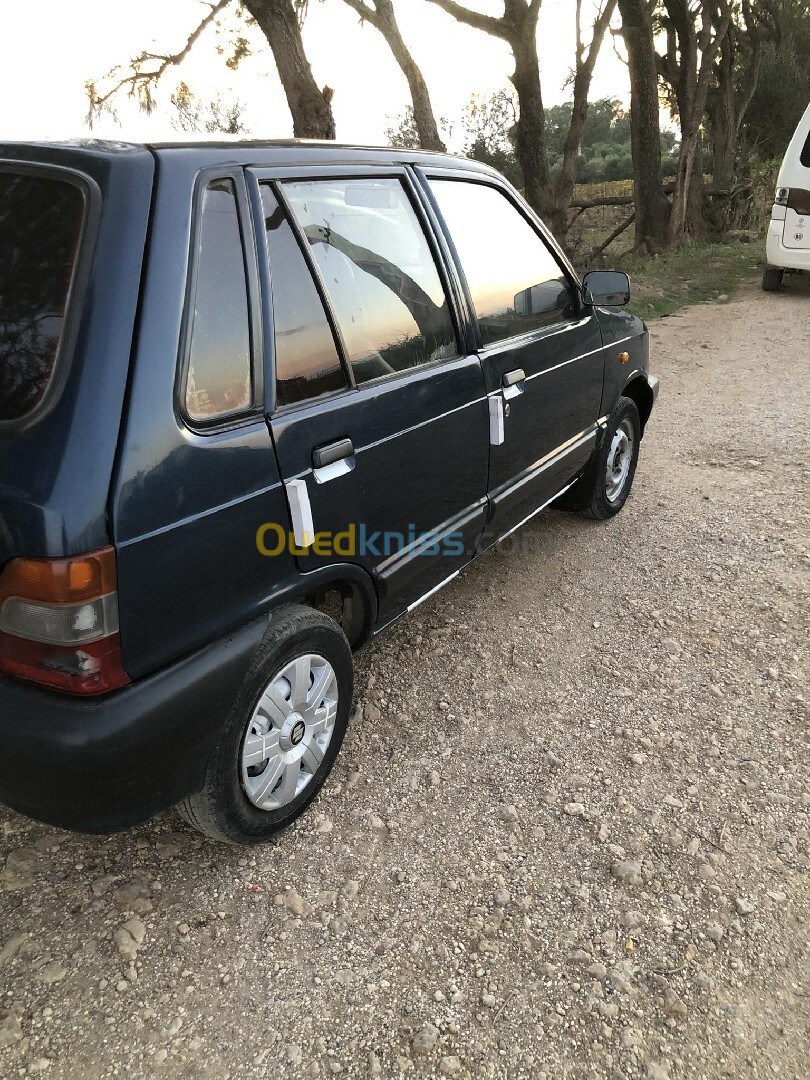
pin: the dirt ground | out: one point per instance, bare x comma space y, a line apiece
568, 833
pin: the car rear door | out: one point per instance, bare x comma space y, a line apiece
540, 348
377, 410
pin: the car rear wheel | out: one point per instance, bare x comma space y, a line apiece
772, 277
283, 733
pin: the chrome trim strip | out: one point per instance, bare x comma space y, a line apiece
421, 424
533, 513
196, 517
551, 458
430, 592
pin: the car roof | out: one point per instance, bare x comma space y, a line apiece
255, 152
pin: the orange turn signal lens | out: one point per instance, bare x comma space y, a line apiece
60, 581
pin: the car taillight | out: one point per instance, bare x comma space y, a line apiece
782, 196
59, 622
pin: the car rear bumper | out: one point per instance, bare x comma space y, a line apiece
785, 258
100, 765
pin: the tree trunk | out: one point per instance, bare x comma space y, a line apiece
382, 16
583, 74
530, 145
721, 107
311, 108
692, 120
652, 207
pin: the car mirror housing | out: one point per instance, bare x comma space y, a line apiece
606, 288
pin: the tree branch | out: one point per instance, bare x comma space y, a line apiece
366, 13
488, 23
141, 80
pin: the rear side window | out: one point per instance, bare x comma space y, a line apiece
307, 361
219, 381
41, 222
379, 272
516, 284
805, 154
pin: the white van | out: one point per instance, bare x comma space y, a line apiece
788, 246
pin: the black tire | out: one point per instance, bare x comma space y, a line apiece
221, 809
772, 277
589, 494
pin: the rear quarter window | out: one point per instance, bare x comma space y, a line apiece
805, 154
41, 225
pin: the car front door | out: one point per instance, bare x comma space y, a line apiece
379, 414
541, 349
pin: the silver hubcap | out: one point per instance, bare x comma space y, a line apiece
619, 458
289, 732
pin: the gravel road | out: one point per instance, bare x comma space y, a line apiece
568, 833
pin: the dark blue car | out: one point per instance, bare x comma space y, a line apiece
258, 401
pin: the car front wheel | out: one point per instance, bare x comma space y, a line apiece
283, 733
604, 487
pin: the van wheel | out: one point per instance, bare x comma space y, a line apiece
283, 733
772, 277
603, 488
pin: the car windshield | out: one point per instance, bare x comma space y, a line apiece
40, 230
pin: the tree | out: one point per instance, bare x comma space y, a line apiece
695, 31
217, 115
783, 88
490, 129
565, 180
380, 13
278, 20
652, 209
518, 27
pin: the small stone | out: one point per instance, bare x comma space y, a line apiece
489, 1000
674, 1005
450, 1065
136, 929
714, 931
744, 906
52, 973
103, 884
294, 1054
508, 813
502, 897
10, 1029
598, 970
350, 889
672, 646
183, 928
39, 1065
627, 870
425, 1039
12, 947
707, 872
632, 919
296, 903
657, 1071
574, 809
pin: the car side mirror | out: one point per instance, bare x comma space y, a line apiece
606, 288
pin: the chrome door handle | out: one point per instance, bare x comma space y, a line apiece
512, 383
332, 460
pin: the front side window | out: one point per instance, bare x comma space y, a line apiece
307, 361
219, 370
516, 284
40, 230
379, 273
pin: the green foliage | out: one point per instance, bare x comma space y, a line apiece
401, 130
783, 88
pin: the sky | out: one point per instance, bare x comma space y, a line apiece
49, 48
